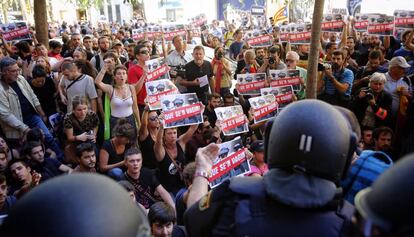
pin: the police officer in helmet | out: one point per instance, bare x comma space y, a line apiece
81, 205
300, 195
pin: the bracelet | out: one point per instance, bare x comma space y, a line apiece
203, 174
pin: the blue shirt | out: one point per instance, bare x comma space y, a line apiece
347, 76
405, 53
235, 49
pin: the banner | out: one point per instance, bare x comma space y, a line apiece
261, 41
361, 22
286, 78
283, 95
404, 19
300, 33
168, 36
332, 23
181, 110
139, 34
157, 69
231, 161
380, 24
157, 89
232, 120
250, 84
258, 11
15, 31
265, 107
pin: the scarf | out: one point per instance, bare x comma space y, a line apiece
218, 74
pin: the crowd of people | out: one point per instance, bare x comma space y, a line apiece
80, 106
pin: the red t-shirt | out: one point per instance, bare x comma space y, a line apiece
135, 73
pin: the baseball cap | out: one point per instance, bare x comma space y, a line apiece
257, 146
117, 42
399, 62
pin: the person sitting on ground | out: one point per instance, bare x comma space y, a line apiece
85, 152
161, 217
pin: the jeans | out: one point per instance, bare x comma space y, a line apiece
115, 173
36, 121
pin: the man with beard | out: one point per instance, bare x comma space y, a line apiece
86, 158
335, 86
382, 137
364, 72
260, 55
147, 188
213, 102
97, 61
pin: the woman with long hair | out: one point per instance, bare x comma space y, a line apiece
148, 131
222, 72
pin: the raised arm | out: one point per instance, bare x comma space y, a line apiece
143, 130
99, 83
183, 139
159, 149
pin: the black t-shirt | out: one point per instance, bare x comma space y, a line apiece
48, 169
148, 155
193, 71
113, 156
212, 117
25, 105
145, 187
169, 174
46, 96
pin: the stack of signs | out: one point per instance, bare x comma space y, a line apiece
361, 22
260, 41
231, 161
380, 24
181, 110
284, 33
15, 31
403, 20
300, 33
283, 94
265, 107
157, 89
232, 120
332, 23
286, 78
250, 84
157, 69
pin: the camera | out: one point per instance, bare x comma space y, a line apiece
89, 132
369, 93
180, 71
272, 60
323, 66
220, 55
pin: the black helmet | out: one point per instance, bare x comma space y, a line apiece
312, 137
388, 203
76, 205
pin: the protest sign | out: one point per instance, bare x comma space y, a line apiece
300, 33
284, 33
140, 34
157, 89
231, 161
404, 19
181, 110
283, 95
15, 31
361, 22
157, 69
168, 36
286, 78
341, 11
257, 11
232, 120
332, 23
198, 20
260, 41
250, 84
380, 24
264, 107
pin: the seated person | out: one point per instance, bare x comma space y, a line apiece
6, 202
23, 178
85, 153
161, 217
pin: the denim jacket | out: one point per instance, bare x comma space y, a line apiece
11, 119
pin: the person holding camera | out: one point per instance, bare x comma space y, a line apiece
372, 105
335, 84
221, 71
273, 62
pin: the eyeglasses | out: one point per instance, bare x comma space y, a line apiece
143, 52
153, 118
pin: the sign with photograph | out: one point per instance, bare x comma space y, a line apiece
250, 84
361, 22
232, 120
231, 161
157, 69
264, 107
157, 89
332, 23
404, 19
15, 31
181, 110
283, 95
260, 41
300, 33
286, 78
380, 24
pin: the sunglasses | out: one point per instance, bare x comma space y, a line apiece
153, 118
143, 52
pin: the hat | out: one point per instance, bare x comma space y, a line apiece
399, 62
117, 42
257, 146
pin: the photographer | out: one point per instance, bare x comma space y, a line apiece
372, 105
335, 85
221, 71
273, 61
